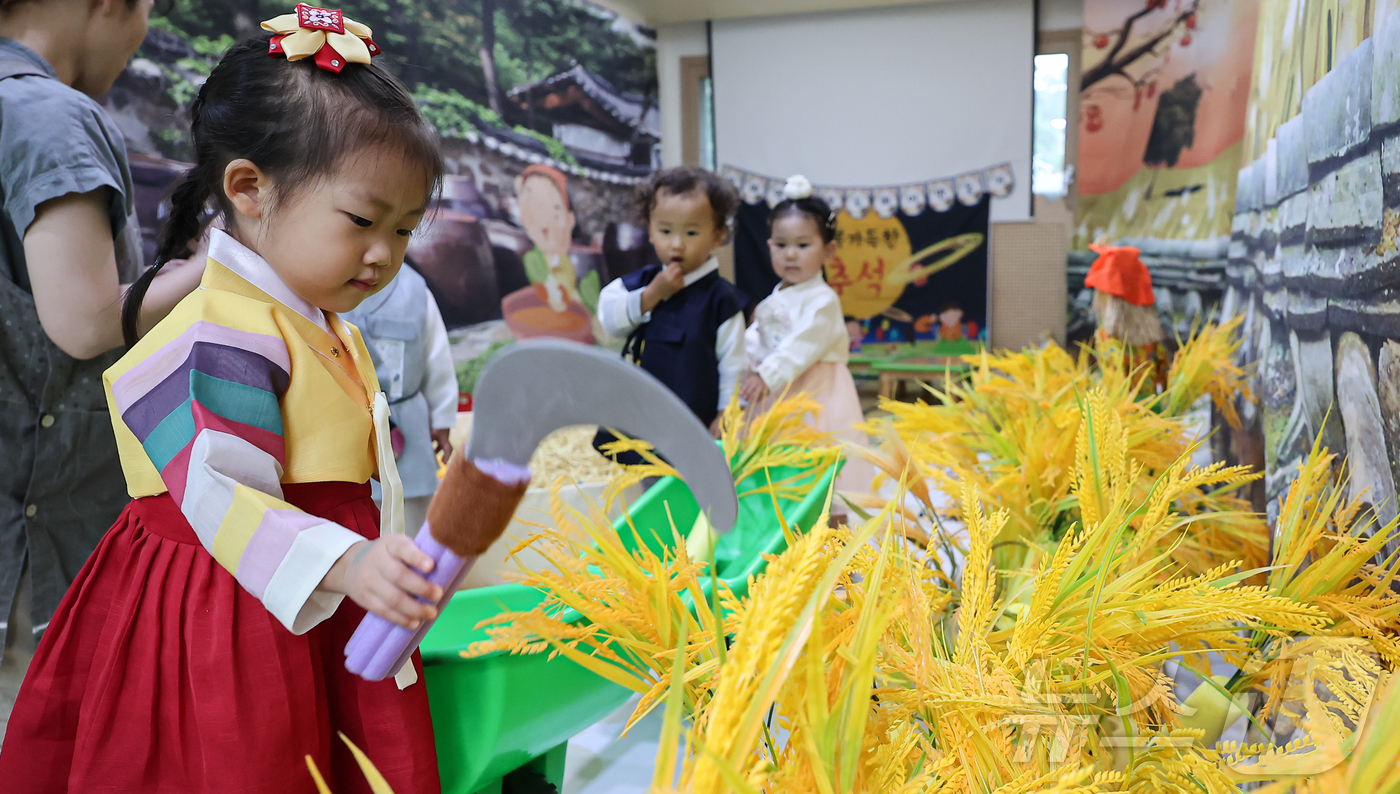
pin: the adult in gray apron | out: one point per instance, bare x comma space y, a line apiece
392, 324
61, 484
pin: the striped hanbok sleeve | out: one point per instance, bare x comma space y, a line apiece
206, 409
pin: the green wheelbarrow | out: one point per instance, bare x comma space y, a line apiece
497, 713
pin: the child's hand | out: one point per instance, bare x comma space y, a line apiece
378, 575
668, 282
714, 428
442, 439
753, 390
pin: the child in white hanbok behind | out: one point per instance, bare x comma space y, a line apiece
798, 342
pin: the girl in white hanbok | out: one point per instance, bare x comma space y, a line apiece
798, 341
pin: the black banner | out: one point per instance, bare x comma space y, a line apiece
895, 275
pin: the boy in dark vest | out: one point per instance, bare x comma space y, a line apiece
683, 323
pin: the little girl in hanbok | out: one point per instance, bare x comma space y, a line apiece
798, 342
201, 649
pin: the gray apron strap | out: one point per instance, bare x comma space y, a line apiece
19, 276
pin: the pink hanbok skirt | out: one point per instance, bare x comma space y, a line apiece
831, 384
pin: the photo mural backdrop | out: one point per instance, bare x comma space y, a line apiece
1163, 91
548, 114
911, 260
1313, 266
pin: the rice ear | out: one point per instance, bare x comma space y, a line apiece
1092, 552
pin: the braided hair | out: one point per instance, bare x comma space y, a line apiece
297, 123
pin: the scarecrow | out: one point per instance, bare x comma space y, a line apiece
1126, 309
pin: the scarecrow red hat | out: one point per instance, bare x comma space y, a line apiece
1120, 272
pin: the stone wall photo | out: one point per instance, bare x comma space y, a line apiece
1313, 265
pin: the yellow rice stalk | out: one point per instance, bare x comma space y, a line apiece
377, 783
1375, 766
1014, 427
1094, 554
1111, 620
778, 437
634, 603
1328, 553
966, 708
997, 711
1332, 759
1205, 364
1328, 556
1109, 602
774, 626
630, 476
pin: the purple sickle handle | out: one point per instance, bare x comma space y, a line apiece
378, 648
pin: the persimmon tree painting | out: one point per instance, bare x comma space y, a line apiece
1126, 62
1174, 126
1161, 117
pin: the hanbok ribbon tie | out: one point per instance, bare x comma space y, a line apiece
323, 34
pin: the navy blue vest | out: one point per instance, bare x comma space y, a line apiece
677, 346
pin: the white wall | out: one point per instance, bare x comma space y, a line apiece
674, 42
1061, 14
884, 96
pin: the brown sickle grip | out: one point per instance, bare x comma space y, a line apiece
471, 509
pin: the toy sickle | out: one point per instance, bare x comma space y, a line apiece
524, 394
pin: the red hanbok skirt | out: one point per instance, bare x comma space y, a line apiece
160, 673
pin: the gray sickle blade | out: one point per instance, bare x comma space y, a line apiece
533, 388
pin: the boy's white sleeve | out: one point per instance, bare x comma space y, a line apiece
729, 349
620, 311
816, 330
440, 381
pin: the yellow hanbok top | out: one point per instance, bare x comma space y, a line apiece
229, 397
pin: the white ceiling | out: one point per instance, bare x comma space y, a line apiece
664, 12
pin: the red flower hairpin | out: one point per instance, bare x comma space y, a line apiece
324, 34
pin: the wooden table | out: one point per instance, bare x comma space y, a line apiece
895, 371
862, 360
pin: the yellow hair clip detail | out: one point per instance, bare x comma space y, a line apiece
324, 34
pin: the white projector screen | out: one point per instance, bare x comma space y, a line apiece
879, 97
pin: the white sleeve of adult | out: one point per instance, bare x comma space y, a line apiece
620, 311
440, 381
729, 349
816, 330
